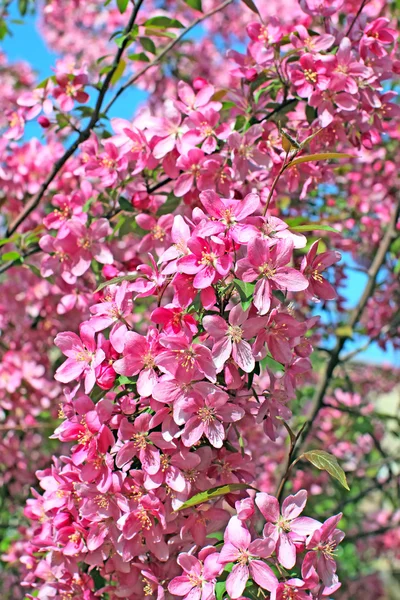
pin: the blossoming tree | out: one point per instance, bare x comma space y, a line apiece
173, 302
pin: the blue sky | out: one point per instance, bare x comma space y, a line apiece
27, 44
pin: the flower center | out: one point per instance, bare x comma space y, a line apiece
267, 270
228, 218
244, 557
236, 333
283, 524
140, 440
158, 233
310, 75
208, 258
206, 414
148, 361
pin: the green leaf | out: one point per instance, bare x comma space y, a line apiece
315, 157
163, 22
114, 280
272, 364
220, 589
169, 206
22, 7
250, 4
122, 380
122, 5
118, 72
196, 4
246, 292
125, 205
148, 45
314, 227
212, 493
326, 462
141, 56
13, 255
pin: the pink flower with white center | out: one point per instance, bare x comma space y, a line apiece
287, 528
322, 545
109, 165
268, 266
280, 332
290, 590
210, 409
204, 130
139, 356
228, 339
62, 258
189, 101
68, 207
246, 154
70, 88
208, 261
130, 140
83, 356
140, 444
36, 100
376, 35
174, 320
90, 241
271, 228
173, 463
311, 43
180, 234
312, 266
312, 76
321, 8
184, 360
224, 216
169, 129
111, 312
16, 123
191, 165
159, 237
152, 281
198, 582
216, 175
246, 554
263, 37
346, 70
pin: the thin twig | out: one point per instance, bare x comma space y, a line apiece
85, 133
334, 359
363, 3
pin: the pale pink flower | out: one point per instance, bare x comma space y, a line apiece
199, 580
225, 216
322, 545
268, 266
287, 528
228, 339
312, 266
83, 356
246, 554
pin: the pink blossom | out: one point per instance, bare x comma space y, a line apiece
228, 339
321, 546
189, 101
208, 261
200, 575
312, 266
83, 356
287, 528
246, 554
268, 266
225, 216
312, 76
139, 356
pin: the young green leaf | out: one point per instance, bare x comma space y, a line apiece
250, 4
315, 157
196, 4
122, 5
313, 227
216, 492
114, 280
246, 292
162, 21
327, 462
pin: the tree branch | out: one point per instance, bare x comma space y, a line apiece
356, 313
85, 133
